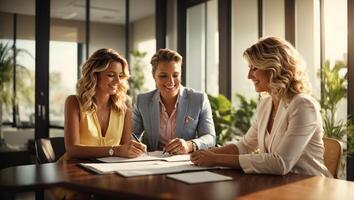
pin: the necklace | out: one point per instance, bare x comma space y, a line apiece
102, 115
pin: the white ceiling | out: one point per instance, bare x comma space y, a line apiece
104, 11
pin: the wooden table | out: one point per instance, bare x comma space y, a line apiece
17, 156
243, 186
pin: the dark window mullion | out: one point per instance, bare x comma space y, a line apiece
350, 64
14, 48
224, 23
42, 69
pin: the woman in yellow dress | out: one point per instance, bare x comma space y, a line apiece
98, 118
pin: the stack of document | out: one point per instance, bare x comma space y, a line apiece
154, 155
149, 164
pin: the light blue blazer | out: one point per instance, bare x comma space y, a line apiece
194, 118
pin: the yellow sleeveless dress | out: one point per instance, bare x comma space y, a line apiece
91, 135
90, 130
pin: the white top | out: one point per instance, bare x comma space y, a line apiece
295, 143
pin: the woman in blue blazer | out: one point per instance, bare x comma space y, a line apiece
172, 118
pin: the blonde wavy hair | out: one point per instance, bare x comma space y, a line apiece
86, 86
287, 77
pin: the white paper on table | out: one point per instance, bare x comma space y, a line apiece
199, 177
144, 168
150, 156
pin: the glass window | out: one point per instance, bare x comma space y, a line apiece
67, 36
212, 49
195, 48
6, 87
244, 34
25, 71
143, 40
335, 39
25, 44
25, 82
274, 18
149, 47
202, 49
62, 78
308, 40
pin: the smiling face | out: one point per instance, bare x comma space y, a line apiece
108, 80
168, 78
260, 79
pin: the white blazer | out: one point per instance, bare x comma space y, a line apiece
295, 143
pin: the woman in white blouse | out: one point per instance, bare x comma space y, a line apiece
287, 126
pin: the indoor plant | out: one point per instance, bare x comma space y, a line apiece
7, 98
229, 121
137, 79
334, 89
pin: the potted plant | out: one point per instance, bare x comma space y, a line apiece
230, 122
137, 80
7, 56
334, 82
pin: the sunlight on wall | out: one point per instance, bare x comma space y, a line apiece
62, 78
335, 26
244, 34
335, 30
148, 46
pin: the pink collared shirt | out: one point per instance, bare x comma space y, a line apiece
167, 124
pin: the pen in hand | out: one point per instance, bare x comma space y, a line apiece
136, 138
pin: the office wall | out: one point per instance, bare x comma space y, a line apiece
25, 26
107, 36
67, 30
6, 24
143, 30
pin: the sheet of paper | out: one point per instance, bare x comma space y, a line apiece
104, 168
150, 156
166, 168
199, 177
143, 168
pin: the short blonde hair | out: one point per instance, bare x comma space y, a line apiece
285, 64
86, 86
164, 55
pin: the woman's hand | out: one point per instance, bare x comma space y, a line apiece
177, 146
204, 158
131, 150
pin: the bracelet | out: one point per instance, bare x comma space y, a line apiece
194, 146
111, 151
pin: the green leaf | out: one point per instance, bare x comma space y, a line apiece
229, 121
334, 80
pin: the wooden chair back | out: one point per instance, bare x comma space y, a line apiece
49, 149
332, 155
